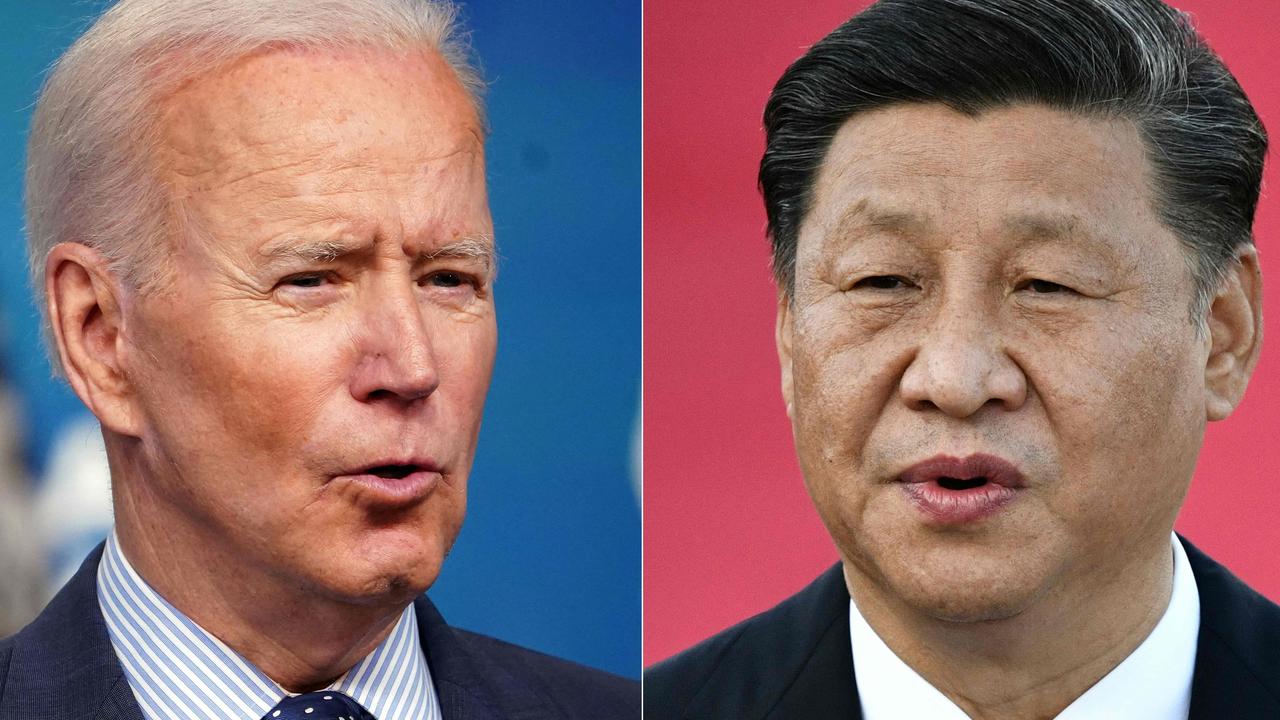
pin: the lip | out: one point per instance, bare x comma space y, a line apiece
957, 506
376, 488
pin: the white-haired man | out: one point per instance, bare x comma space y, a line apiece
267, 255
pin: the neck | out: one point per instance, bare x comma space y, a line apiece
1037, 662
295, 635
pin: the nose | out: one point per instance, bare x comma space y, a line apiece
397, 359
960, 366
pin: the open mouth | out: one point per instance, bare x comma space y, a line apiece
953, 483
390, 486
967, 473
394, 472
960, 490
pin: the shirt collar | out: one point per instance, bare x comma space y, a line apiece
178, 670
1152, 683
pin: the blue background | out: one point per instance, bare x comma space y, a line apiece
550, 553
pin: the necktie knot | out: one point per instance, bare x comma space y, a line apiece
325, 705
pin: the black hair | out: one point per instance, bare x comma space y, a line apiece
1135, 59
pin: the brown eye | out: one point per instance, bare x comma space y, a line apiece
447, 279
306, 280
881, 282
1044, 287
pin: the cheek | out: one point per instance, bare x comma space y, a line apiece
1129, 424
464, 353
1128, 388
844, 378
256, 387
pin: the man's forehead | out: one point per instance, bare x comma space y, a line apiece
342, 106
1008, 142
1028, 171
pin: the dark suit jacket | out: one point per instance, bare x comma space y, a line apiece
795, 660
62, 667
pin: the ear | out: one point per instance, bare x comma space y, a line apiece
85, 315
1235, 335
782, 338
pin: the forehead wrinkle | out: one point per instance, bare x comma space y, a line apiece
323, 164
191, 118
363, 175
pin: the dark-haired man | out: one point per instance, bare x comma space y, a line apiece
1013, 246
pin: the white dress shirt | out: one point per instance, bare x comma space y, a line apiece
1153, 683
178, 671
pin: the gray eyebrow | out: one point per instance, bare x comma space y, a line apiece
475, 246
317, 251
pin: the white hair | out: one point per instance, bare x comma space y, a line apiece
92, 175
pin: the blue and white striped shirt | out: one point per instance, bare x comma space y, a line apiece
178, 671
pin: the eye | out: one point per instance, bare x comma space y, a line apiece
881, 282
1045, 287
306, 280
447, 279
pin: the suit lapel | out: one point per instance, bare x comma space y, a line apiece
119, 703
1237, 671
796, 662
825, 686
63, 665
469, 686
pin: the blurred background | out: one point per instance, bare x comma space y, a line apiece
549, 556
729, 529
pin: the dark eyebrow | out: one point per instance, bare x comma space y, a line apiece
1037, 228
1047, 227
1031, 226
866, 215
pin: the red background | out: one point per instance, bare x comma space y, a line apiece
729, 530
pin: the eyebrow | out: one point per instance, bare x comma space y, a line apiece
1037, 228
866, 215
1046, 227
479, 246
473, 247
316, 251
1029, 226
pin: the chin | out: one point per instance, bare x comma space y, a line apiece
967, 589
948, 578
379, 586
377, 573
972, 604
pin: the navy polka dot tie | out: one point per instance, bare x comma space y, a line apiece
327, 705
